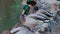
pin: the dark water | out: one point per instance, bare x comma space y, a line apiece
9, 13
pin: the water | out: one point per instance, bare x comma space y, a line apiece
9, 14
